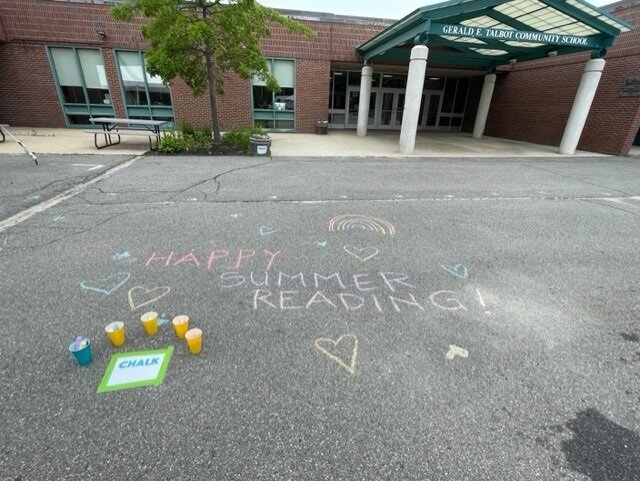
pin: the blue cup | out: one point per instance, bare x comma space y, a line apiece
81, 351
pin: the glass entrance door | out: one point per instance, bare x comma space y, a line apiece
389, 114
429, 110
353, 102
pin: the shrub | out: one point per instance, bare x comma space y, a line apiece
239, 137
172, 142
185, 138
198, 137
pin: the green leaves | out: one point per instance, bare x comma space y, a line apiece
183, 34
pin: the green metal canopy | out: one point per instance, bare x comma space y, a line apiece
484, 34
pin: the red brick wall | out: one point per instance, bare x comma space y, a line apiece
27, 92
29, 25
533, 101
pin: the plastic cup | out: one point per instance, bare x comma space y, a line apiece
115, 333
81, 350
194, 340
181, 325
150, 322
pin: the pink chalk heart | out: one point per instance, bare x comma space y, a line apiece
107, 285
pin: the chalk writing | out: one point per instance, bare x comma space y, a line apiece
482, 301
107, 285
266, 230
118, 256
237, 260
444, 300
140, 296
235, 216
390, 281
295, 299
58, 218
361, 222
361, 253
321, 243
456, 351
343, 351
458, 270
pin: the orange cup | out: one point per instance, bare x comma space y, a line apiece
150, 322
115, 333
180, 325
194, 340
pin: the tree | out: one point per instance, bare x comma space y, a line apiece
202, 40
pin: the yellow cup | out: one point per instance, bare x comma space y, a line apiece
115, 333
181, 325
150, 322
194, 340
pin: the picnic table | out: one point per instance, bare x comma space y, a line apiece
113, 127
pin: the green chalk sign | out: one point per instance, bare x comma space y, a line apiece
135, 369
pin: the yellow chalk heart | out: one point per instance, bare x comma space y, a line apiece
328, 347
147, 296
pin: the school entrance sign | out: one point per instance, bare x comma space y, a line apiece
514, 35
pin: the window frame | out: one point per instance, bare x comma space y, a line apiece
133, 110
85, 108
277, 114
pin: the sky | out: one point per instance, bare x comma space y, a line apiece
368, 8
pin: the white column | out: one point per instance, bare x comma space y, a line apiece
581, 106
412, 98
483, 106
365, 98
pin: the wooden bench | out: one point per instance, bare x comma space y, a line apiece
108, 141
2, 131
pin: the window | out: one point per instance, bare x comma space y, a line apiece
82, 84
275, 110
145, 96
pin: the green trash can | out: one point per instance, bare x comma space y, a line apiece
260, 144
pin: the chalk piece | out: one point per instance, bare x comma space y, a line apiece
456, 351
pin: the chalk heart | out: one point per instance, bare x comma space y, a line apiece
362, 253
459, 270
265, 230
347, 343
107, 285
140, 296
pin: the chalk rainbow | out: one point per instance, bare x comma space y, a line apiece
361, 222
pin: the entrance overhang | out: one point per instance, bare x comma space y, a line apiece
484, 34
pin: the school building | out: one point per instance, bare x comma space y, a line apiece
553, 72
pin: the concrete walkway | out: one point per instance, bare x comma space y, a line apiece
345, 143
338, 143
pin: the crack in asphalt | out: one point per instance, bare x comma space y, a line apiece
577, 179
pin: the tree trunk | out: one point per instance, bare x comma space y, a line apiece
215, 124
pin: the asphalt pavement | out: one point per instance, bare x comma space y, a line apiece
362, 319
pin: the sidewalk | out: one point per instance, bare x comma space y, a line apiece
338, 143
